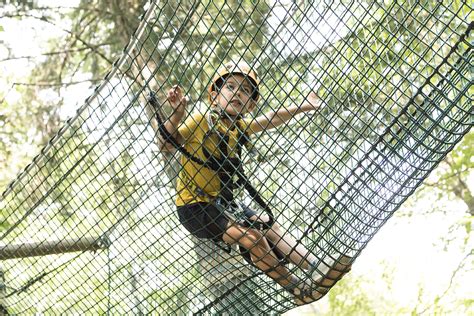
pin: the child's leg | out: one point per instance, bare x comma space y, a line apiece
265, 259
287, 245
329, 270
262, 255
324, 274
296, 252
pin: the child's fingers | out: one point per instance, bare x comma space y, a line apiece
184, 101
177, 89
171, 96
175, 94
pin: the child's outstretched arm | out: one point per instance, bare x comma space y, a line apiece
178, 103
276, 118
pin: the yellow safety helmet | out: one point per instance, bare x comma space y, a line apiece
236, 68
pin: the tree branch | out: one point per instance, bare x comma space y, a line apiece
453, 275
46, 20
66, 51
49, 84
58, 9
447, 177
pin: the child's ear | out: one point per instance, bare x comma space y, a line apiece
213, 97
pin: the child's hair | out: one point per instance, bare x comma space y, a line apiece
231, 68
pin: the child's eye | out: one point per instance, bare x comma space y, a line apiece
232, 87
247, 90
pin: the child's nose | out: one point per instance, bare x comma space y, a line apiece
240, 92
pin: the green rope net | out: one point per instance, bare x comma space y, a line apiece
90, 226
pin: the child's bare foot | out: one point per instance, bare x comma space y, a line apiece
303, 292
323, 277
307, 295
331, 270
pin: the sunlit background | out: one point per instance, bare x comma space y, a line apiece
420, 262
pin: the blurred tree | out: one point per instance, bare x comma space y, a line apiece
92, 37
94, 34
451, 178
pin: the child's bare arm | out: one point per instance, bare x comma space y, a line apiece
178, 103
276, 118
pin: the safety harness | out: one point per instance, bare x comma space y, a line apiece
226, 167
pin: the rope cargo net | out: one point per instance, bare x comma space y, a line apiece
90, 226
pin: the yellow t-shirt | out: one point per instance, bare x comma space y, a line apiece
197, 183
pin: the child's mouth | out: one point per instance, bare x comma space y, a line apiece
236, 103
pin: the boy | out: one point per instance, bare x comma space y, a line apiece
205, 201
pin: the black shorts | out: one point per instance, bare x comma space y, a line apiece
208, 220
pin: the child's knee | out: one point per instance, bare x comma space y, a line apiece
251, 238
248, 238
276, 227
262, 218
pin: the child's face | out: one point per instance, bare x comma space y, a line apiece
235, 96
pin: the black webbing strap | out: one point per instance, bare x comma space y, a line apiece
220, 165
226, 171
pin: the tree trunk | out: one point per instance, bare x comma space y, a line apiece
3, 292
461, 190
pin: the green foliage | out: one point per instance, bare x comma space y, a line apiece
461, 158
451, 178
349, 298
82, 185
199, 43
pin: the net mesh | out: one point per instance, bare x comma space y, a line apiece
90, 226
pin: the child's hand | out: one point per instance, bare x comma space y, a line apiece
176, 98
312, 103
